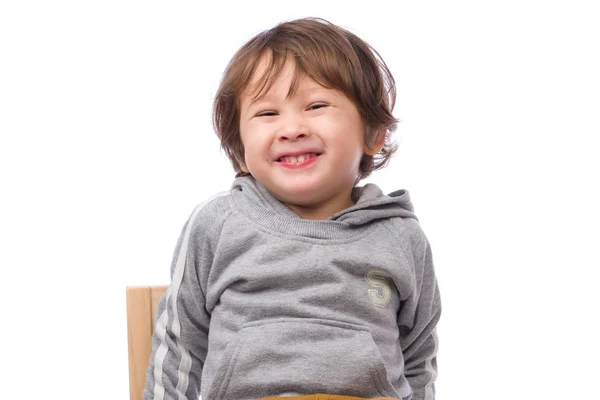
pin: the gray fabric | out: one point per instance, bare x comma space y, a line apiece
263, 303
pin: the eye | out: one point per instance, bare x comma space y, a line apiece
266, 114
316, 106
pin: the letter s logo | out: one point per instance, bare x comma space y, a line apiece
380, 294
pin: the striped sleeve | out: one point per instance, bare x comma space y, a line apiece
180, 339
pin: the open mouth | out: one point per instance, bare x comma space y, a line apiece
298, 159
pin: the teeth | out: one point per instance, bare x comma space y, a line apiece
298, 159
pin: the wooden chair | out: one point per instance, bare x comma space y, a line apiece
141, 307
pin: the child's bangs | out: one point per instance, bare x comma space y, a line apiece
269, 65
326, 72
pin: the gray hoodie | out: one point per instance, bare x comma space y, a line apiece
263, 303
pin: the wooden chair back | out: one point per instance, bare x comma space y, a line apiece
141, 310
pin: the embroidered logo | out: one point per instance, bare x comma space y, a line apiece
380, 292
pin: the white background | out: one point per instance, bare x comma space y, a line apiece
107, 145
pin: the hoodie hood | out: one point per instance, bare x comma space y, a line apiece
370, 205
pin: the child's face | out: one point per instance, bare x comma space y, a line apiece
304, 149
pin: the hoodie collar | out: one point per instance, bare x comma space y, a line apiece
252, 199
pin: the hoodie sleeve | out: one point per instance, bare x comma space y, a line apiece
180, 339
417, 320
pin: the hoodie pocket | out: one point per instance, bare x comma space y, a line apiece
301, 356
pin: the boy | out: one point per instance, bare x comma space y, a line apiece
296, 281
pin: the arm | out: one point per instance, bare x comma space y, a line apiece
180, 339
418, 318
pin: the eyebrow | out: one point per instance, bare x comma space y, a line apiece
253, 101
314, 87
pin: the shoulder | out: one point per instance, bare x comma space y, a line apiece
415, 233
208, 216
407, 228
408, 233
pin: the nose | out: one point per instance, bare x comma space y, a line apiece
294, 128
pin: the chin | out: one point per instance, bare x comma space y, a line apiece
301, 194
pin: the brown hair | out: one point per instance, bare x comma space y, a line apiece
333, 57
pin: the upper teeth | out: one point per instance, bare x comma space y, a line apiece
298, 159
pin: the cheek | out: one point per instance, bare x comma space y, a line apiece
351, 139
254, 152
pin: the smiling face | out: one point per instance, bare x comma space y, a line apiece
305, 149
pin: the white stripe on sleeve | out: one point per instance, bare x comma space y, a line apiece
161, 326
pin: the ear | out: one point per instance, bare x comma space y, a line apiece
378, 145
244, 168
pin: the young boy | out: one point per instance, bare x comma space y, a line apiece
297, 281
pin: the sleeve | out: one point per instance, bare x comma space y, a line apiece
180, 338
417, 320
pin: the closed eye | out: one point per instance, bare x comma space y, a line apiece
266, 114
316, 106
